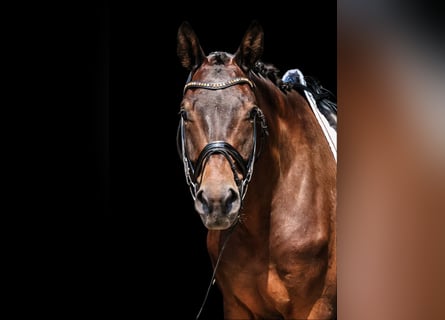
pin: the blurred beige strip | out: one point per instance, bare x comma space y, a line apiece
391, 176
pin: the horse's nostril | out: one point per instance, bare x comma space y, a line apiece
202, 199
231, 198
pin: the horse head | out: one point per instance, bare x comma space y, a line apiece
218, 136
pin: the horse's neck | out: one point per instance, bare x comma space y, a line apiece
296, 147
293, 125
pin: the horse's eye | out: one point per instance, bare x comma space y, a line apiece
253, 112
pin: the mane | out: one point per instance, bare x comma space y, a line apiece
326, 101
268, 71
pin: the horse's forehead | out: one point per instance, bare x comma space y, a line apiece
218, 66
214, 103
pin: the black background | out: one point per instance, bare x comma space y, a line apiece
120, 236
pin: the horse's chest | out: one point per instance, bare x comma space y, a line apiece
268, 284
274, 272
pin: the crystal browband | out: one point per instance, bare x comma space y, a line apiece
216, 85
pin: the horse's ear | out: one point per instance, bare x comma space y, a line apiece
188, 47
251, 47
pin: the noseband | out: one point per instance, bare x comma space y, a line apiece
221, 147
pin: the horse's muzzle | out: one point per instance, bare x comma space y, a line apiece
218, 206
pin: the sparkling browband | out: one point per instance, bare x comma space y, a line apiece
216, 85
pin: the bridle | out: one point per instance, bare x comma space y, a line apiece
235, 159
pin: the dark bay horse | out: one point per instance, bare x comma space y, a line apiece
262, 173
